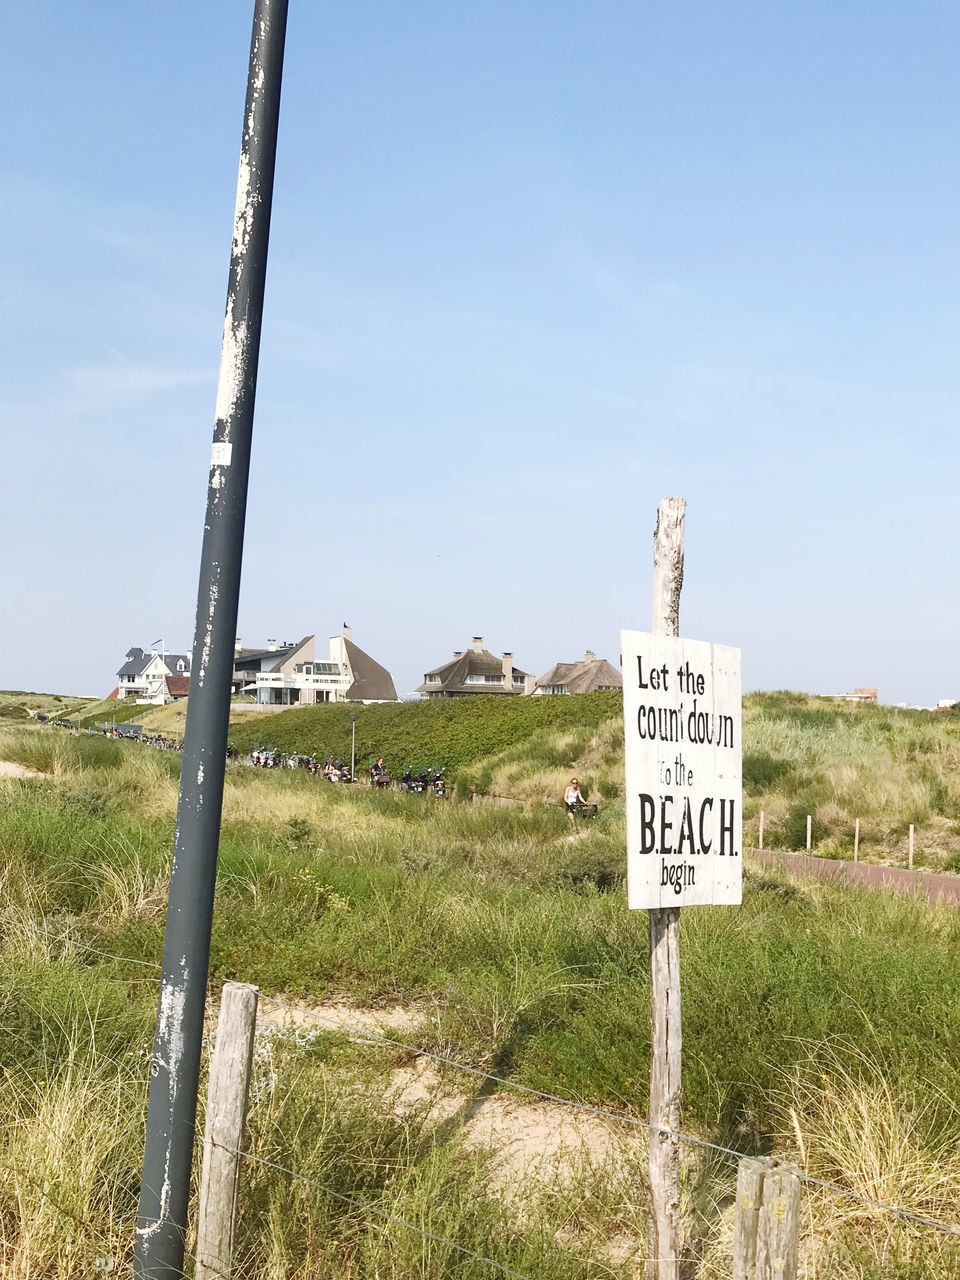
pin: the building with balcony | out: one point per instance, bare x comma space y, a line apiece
291, 675
474, 671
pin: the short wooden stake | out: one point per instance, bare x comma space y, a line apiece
747, 1220
809, 833
766, 1229
856, 841
778, 1230
760, 840
665, 1020
910, 848
223, 1135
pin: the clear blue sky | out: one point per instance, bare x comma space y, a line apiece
533, 267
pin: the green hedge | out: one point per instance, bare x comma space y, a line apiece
448, 732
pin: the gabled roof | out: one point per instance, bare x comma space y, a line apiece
371, 682
138, 661
453, 674
583, 677
172, 659
135, 663
557, 674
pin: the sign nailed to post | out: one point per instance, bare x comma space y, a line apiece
682, 741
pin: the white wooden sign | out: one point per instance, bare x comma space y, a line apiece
683, 746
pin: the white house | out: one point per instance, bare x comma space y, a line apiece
291, 675
154, 677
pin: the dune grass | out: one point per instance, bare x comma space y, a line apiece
820, 1022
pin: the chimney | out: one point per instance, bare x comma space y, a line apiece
508, 670
458, 653
272, 646
237, 645
346, 632
589, 656
478, 644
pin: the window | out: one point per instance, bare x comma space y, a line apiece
181, 664
433, 679
473, 679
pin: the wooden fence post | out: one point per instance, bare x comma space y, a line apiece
910, 846
760, 841
778, 1230
665, 1018
856, 841
749, 1199
223, 1134
766, 1230
809, 832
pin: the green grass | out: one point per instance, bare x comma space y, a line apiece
107, 710
511, 945
20, 704
451, 732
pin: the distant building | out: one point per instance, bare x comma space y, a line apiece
946, 703
858, 695
290, 674
153, 677
580, 677
474, 670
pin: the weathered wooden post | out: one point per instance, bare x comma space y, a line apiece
760, 840
766, 1229
856, 841
778, 1228
666, 1027
910, 848
747, 1219
809, 832
227, 1093
683, 757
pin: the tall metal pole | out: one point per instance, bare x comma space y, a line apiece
171, 1112
353, 749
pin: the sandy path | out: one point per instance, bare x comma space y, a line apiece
10, 770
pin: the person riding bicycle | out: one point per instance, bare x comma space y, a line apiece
573, 799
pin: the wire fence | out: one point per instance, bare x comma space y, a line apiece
364, 1034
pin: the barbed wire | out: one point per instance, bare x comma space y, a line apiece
616, 1117
106, 955
369, 1208
102, 1234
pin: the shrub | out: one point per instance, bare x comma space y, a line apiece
762, 772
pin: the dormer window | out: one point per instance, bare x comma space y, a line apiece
181, 664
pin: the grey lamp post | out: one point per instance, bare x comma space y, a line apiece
353, 748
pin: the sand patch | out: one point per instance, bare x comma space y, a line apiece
336, 1016
8, 769
546, 1141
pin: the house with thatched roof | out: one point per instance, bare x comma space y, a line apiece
475, 670
580, 677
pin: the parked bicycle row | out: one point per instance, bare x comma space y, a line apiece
417, 780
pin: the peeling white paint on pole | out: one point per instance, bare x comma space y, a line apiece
165, 1186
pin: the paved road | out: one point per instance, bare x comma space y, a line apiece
891, 879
